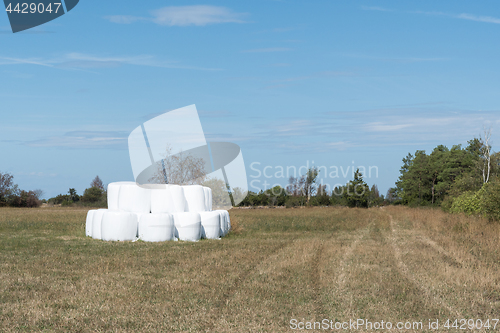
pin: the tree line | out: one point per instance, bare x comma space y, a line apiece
11, 195
94, 196
460, 179
305, 191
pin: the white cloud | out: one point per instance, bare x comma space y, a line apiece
320, 75
35, 174
463, 16
376, 8
293, 128
84, 140
195, 15
29, 61
486, 19
85, 61
382, 127
182, 16
393, 59
269, 49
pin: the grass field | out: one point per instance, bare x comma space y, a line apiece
394, 264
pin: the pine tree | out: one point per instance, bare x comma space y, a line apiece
97, 182
357, 192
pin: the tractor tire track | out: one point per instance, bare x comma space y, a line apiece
447, 257
341, 279
222, 302
405, 271
316, 277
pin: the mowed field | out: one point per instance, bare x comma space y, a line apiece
394, 264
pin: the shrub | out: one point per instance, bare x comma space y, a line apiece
447, 203
59, 199
490, 200
25, 199
468, 203
294, 202
485, 202
67, 203
320, 200
92, 195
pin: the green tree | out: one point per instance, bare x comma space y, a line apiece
321, 198
414, 184
468, 174
276, 196
7, 188
337, 197
74, 197
405, 168
93, 195
27, 199
391, 196
435, 165
374, 197
310, 183
357, 192
490, 201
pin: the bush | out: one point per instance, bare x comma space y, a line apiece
490, 201
485, 202
447, 203
66, 203
337, 199
92, 195
59, 199
468, 203
320, 200
25, 199
294, 202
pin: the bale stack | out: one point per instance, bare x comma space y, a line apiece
157, 213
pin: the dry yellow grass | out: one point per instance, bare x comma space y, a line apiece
392, 264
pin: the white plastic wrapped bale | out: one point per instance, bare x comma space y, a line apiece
118, 226
139, 216
228, 221
156, 227
178, 198
88, 223
208, 198
167, 199
210, 225
113, 192
134, 199
195, 198
187, 226
96, 223
223, 222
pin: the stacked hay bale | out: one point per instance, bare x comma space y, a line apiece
157, 213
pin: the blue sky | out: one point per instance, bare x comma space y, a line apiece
335, 82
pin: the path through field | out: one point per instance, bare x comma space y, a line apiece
387, 269
278, 269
